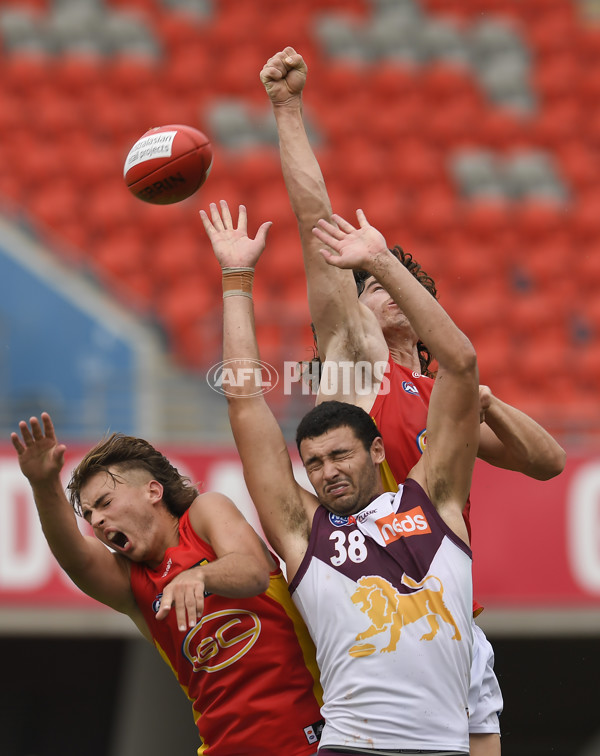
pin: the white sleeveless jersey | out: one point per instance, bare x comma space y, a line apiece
387, 597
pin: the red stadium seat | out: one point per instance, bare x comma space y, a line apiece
557, 76
175, 258
579, 164
584, 219
537, 220
486, 220
501, 129
557, 123
416, 165
76, 72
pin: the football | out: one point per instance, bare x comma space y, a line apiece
167, 164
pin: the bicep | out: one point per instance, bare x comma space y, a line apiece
218, 521
269, 475
452, 436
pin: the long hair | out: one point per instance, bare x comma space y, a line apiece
129, 453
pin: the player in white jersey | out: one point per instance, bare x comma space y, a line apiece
383, 580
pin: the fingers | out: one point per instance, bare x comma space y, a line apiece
362, 218
277, 67
226, 215
16, 442
48, 425
261, 234
220, 219
343, 224
215, 217
188, 601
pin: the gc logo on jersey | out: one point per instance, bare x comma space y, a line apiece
220, 639
410, 388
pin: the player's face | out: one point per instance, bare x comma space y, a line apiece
381, 304
121, 511
343, 473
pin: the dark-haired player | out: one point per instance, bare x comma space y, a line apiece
372, 328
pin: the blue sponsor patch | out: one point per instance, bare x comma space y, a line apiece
410, 387
156, 603
339, 521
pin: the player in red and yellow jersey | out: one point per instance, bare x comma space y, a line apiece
194, 577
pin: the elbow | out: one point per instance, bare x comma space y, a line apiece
262, 582
554, 464
465, 360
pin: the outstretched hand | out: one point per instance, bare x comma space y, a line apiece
284, 76
232, 246
356, 248
40, 455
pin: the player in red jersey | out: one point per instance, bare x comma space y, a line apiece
378, 335
196, 580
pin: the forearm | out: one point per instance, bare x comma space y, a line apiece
428, 319
59, 524
301, 171
235, 575
514, 441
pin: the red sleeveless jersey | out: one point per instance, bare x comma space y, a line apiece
400, 413
248, 665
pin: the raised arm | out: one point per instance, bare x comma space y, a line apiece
514, 441
284, 507
91, 566
345, 329
446, 467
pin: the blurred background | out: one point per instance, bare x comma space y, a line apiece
468, 131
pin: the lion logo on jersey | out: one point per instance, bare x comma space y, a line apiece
389, 610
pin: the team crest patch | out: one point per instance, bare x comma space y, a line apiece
156, 603
410, 387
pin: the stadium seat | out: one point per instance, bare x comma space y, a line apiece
584, 219
416, 165
486, 220
579, 164
557, 123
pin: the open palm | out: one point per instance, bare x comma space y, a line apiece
232, 246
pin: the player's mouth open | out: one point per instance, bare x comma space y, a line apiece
118, 539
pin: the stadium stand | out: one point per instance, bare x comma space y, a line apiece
479, 154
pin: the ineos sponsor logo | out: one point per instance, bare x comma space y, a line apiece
225, 377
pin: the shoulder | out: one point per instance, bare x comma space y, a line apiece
211, 510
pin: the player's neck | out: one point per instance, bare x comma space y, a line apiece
406, 358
